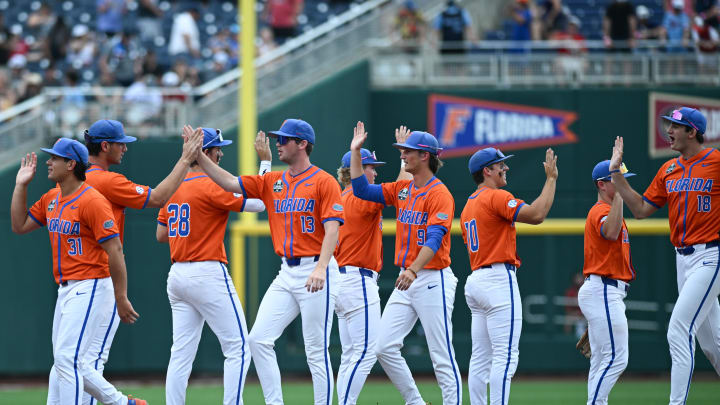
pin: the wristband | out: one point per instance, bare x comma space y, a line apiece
615, 171
265, 166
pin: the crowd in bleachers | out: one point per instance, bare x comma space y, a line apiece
136, 43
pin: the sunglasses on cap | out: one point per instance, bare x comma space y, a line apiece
677, 115
218, 137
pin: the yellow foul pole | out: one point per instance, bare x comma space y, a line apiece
247, 120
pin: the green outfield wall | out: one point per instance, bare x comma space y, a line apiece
333, 107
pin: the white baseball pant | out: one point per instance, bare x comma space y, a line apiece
81, 306
202, 292
358, 311
99, 350
696, 314
601, 301
430, 298
494, 299
287, 297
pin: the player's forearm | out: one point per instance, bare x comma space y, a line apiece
329, 243
423, 258
541, 206
219, 175
163, 191
613, 224
356, 169
632, 198
118, 272
18, 209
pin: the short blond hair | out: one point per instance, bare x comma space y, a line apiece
343, 176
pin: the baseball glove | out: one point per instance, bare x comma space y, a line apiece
583, 345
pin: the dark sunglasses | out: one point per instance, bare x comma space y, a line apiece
282, 140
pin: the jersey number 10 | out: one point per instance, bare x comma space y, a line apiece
472, 237
179, 221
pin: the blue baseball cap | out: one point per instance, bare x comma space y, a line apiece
486, 157
69, 149
602, 171
213, 137
689, 117
419, 140
294, 128
108, 131
368, 158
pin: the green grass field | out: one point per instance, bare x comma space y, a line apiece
524, 392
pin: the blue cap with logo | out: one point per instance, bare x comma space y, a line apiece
213, 137
368, 158
486, 157
602, 171
294, 128
689, 117
69, 149
419, 140
108, 131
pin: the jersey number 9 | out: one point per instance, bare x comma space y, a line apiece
179, 221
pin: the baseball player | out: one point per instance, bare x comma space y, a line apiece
689, 186
491, 291
107, 143
88, 265
359, 256
199, 286
608, 270
425, 288
304, 215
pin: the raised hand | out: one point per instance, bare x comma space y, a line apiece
359, 136
186, 132
550, 164
28, 166
262, 146
192, 144
402, 134
617, 154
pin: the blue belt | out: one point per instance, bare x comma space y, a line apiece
295, 261
364, 272
614, 283
685, 251
508, 266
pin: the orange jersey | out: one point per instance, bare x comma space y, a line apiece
688, 187
604, 257
297, 208
491, 213
196, 217
77, 225
120, 191
360, 242
417, 209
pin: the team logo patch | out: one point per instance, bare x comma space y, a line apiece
403, 194
443, 216
670, 168
51, 206
278, 186
337, 207
139, 190
512, 203
108, 224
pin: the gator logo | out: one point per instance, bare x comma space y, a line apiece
670, 168
278, 186
403, 194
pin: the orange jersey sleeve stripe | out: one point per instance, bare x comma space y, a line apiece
604, 257
689, 188
297, 206
360, 241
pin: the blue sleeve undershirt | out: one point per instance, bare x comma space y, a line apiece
366, 191
435, 234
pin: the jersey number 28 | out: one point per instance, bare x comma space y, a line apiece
179, 221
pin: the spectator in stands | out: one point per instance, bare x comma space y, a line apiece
521, 17
619, 25
220, 64
55, 46
171, 81
646, 28
33, 86
81, 51
226, 43
149, 20
4, 41
110, 16
676, 25
17, 65
707, 43
571, 60
185, 36
709, 10
52, 76
149, 65
7, 96
144, 99
574, 319
281, 16
119, 57
265, 42
409, 26
454, 27
73, 96
17, 43
554, 19
41, 21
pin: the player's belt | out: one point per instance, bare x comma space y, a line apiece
614, 283
508, 266
364, 272
688, 250
295, 261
